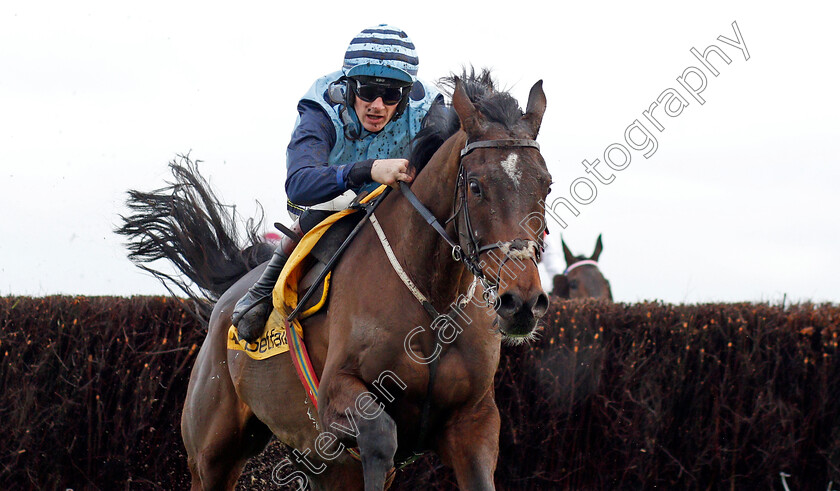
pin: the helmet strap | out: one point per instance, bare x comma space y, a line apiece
403, 103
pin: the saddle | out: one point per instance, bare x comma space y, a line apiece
315, 263
302, 273
316, 249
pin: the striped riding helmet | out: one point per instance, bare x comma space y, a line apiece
382, 51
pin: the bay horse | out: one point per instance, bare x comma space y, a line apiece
393, 380
582, 277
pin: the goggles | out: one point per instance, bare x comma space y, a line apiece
370, 92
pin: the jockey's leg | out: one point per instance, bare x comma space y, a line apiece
252, 310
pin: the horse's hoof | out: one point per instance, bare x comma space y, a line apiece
252, 324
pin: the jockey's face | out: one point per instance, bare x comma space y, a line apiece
374, 115
376, 101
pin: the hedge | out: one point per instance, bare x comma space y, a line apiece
612, 396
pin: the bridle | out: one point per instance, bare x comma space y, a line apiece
585, 262
518, 248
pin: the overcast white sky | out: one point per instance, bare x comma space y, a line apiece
739, 202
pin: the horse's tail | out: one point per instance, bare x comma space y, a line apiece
186, 224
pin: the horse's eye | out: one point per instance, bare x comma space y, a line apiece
573, 284
475, 188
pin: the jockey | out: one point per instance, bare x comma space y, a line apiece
353, 133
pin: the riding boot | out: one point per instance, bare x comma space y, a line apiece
252, 310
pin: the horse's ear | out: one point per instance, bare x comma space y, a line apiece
536, 108
560, 286
598, 248
570, 258
467, 113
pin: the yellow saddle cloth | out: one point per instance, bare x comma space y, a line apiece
273, 341
285, 295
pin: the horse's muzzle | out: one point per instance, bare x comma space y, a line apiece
517, 317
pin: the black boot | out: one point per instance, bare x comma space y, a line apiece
252, 310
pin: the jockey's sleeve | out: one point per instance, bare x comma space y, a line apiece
310, 178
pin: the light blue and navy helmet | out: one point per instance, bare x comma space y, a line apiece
383, 52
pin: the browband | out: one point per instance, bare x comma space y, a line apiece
499, 144
586, 262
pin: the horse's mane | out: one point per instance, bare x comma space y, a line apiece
442, 122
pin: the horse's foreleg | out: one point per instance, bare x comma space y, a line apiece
377, 446
470, 444
358, 421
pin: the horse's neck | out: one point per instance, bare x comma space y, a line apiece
424, 254
435, 186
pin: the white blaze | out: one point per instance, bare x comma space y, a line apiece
512, 170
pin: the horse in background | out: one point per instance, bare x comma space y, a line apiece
582, 277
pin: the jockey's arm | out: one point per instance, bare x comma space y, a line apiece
311, 180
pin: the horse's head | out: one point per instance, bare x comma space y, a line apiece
582, 277
502, 180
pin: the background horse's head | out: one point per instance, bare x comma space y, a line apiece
582, 277
502, 180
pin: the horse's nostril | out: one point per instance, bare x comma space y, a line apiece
540, 305
509, 304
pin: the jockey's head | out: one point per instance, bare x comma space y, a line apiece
380, 65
